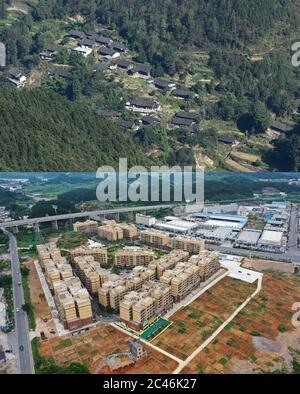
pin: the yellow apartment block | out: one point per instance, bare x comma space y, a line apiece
156, 238
129, 230
168, 261
90, 273
145, 273
48, 251
73, 301
112, 292
189, 244
113, 231
138, 308
143, 310
110, 232
67, 307
182, 279
207, 262
99, 254
87, 227
130, 257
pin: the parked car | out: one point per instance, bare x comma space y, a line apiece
21, 348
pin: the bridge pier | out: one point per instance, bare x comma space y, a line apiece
55, 225
15, 230
36, 227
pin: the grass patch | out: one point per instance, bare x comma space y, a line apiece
6, 284
255, 334
28, 304
194, 315
223, 360
281, 328
229, 326
4, 265
64, 343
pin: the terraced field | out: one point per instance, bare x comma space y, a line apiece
261, 338
193, 324
94, 346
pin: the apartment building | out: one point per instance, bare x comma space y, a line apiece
182, 280
132, 256
99, 254
55, 271
110, 231
139, 309
87, 270
157, 239
113, 231
129, 230
207, 262
87, 227
145, 220
73, 303
168, 261
188, 244
48, 251
145, 273
112, 292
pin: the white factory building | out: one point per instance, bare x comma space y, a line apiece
248, 238
175, 225
272, 241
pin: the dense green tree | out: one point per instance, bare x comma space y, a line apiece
261, 117
43, 131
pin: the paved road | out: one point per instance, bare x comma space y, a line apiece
289, 256
25, 360
44, 219
293, 234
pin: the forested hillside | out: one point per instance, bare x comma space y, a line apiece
234, 56
42, 131
153, 24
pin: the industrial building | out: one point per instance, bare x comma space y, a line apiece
177, 226
220, 208
248, 238
221, 220
272, 241
217, 234
131, 256
87, 227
